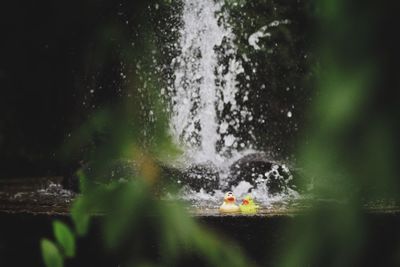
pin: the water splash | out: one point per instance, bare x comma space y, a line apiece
208, 105
262, 33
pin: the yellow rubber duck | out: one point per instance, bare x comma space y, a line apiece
229, 205
248, 206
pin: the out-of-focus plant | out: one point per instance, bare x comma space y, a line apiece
350, 146
136, 224
54, 253
131, 214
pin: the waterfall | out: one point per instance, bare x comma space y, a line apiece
208, 91
205, 116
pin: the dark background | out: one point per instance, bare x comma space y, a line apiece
48, 65
42, 51
53, 53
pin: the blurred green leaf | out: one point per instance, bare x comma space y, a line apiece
84, 184
341, 99
80, 216
181, 234
127, 203
65, 238
50, 253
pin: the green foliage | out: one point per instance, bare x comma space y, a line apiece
127, 202
65, 238
80, 216
54, 253
347, 150
50, 254
129, 212
349, 143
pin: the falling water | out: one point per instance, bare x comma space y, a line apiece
208, 104
205, 115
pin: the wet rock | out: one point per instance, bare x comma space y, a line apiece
257, 170
301, 182
195, 177
204, 176
116, 170
170, 175
91, 174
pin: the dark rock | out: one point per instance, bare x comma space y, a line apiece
91, 174
170, 176
119, 170
301, 181
195, 177
204, 176
257, 169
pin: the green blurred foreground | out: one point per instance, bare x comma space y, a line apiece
350, 150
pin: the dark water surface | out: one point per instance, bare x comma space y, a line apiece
261, 238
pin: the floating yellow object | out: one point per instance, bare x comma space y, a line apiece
229, 205
248, 206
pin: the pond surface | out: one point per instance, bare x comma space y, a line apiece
47, 196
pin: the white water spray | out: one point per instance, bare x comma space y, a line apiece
203, 98
207, 103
